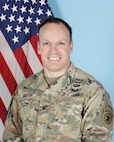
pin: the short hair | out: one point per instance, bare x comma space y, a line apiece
57, 20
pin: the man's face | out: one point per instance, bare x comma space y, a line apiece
55, 48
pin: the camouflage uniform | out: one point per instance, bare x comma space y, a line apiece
75, 108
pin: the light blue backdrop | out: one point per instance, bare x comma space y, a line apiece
92, 22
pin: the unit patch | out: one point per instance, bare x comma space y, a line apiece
107, 117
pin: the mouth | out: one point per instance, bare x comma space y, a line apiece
54, 58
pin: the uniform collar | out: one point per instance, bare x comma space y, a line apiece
42, 85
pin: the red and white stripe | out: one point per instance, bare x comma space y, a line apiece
14, 67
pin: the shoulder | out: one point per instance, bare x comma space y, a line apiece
89, 84
30, 80
78, 73
28, 84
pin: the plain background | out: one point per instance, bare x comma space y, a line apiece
92, 22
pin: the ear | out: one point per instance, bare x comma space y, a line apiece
71, 46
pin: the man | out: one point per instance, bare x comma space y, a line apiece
61, 103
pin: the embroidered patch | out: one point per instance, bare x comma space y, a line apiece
107, 117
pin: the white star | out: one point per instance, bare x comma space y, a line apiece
9, 29
14, 8
23, 9
48, 13
37, 21
26, 30
29, 20
42, 2
33, 1
20, 19
25, 1
11, 18
3, 17
15, 39
18, 29
31, 10
6, 7
40, 11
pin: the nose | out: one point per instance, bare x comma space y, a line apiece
53, 48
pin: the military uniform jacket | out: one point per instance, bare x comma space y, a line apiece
76, 108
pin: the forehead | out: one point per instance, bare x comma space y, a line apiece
53, 26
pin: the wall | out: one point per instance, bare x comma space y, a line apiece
92, 22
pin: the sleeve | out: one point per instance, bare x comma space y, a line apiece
97, 122
13, 124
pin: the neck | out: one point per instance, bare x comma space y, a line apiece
53, 74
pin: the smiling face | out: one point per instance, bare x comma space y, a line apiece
55, 48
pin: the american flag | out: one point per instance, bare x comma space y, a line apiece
19, 22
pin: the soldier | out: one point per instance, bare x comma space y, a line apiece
61, 103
